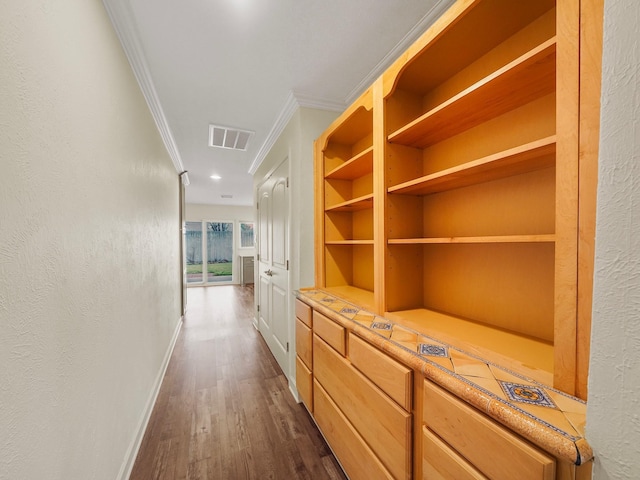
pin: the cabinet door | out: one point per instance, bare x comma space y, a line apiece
303, 343
379, 420
304, 313
392, 377
304, 383
440, 462
353, 453
331, 332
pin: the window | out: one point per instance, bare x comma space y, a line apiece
209, 252
247, 239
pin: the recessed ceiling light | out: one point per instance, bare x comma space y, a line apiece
216, 177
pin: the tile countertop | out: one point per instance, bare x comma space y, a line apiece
545, 416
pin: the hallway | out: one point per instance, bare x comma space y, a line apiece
224, 410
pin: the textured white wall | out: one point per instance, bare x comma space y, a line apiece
89, 255
198, 212
613, 412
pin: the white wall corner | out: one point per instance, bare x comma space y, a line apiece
123, 22
419, 28
294, 101
134, 447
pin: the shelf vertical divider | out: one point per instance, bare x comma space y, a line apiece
566, 252
590, 85
319, 146
379, 198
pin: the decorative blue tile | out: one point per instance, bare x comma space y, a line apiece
526, 394
432, 350
381, 326
349, 310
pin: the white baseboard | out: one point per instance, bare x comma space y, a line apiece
132, 451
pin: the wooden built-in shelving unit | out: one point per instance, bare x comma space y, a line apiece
447, 195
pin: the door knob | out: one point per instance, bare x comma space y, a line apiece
268, 272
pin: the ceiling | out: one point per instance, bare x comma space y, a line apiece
248, 64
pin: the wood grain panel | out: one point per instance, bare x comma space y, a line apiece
382, 423
523, 80
304, 383
439, 462
591, 14
304, 343
567, 170
392, 377
303, 313
355, 456
494, 450
330, 332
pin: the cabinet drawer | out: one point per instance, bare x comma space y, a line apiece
379, 420
491, 448
355, 456
391, 376
330, 332
440, 462
303, 343
303, 312
304, 384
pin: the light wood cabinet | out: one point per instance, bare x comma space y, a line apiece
303, 343
345, 256
304, 383
487, 446
454, 198
447, 196
331, 332
360, 397
441, 462
353, 453
382, 424
388, 374
304, 355
387, 420
304, 313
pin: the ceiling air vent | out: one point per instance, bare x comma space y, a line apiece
230, 138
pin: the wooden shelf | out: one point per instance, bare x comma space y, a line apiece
522, 159
360, 203
348, 242
356, 167
544, 238
527, 78
357, 126
472, 204
508, 349
358, 296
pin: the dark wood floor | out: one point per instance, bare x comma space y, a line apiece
224, 410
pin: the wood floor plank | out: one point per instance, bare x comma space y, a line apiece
224, 410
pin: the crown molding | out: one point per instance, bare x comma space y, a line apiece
292, 103
122, 20
296, 99
419, 28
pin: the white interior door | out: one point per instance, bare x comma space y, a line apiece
273, 263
